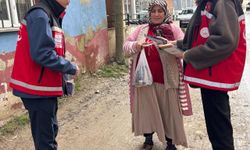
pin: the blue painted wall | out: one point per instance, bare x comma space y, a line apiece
80, 16
85, 25
8, 41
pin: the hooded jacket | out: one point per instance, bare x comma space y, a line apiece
215, 45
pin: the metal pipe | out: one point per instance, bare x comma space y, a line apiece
1, 14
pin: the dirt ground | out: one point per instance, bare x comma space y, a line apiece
98, 117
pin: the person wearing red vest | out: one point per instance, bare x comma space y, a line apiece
215, 52
39, 66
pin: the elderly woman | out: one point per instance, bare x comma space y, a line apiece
156, 108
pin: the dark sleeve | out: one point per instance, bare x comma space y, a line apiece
179, 44
223, 39
42, 43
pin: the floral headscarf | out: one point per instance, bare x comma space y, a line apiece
163, 29
163, 5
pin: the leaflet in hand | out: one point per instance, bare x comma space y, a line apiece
171, 50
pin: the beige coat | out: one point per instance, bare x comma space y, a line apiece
171, 65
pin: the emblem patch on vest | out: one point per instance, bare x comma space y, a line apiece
204, 32
19, 37
58, 40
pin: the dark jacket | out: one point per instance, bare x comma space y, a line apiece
223, 39
215, 46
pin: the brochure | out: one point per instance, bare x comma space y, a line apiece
171, 49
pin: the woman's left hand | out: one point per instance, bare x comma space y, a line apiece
172, 42
168, 45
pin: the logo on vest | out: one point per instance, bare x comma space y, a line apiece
58, 40
204, 32
19, 37
244, 35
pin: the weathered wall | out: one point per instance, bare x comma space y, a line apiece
111, 32
86, 38
170, 6
7, 47
9, 105
111, 35
85, 25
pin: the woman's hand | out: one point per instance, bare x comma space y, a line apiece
139, 46
178, 55
172, 42
168, 45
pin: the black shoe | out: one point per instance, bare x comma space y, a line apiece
171, 147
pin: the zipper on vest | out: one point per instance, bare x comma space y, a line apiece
210, 71
41, 75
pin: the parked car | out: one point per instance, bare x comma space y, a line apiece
141, 18
248, 7
176, 13
184, 17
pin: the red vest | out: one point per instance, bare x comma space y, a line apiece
226, 75
28, 76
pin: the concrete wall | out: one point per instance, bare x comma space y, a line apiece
86, 38
170, 6
111, 32
9, 104
111, 35
85, 26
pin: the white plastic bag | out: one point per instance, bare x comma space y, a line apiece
143, 76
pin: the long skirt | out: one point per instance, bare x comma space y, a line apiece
158, 110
